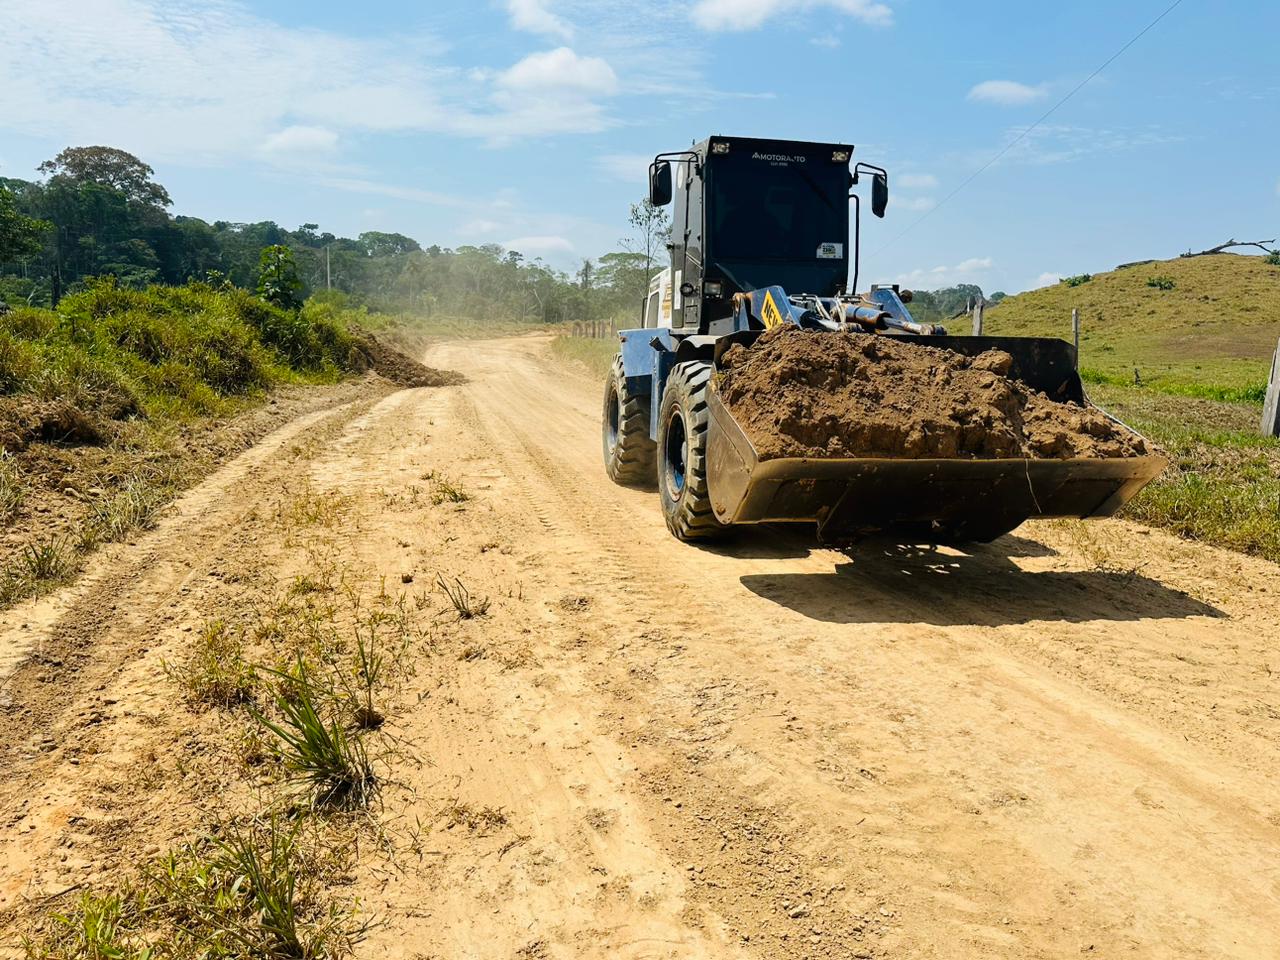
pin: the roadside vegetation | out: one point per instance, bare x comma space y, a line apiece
1181, 350
104, 401
596, 356
297, 698
1200, 326
1223, 482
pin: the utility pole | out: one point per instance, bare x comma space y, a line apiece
1075, 333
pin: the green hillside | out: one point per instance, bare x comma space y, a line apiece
1211, 334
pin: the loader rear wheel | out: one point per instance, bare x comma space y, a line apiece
682, 455
628, 451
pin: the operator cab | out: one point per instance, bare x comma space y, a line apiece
751, 213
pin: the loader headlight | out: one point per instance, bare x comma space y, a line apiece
840, 156
720, 147
713, 288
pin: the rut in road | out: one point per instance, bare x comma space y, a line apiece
1063, 742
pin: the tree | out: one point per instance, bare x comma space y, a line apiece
278, 281
111, 168
654, 228
20, 236
378, 244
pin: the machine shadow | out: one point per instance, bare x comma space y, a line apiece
794, 541
910, 583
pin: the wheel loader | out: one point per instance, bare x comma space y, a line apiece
759, 239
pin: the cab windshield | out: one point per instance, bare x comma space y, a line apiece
764, 209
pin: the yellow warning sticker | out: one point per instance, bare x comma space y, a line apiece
769, 312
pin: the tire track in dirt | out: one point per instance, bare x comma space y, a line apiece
765, 749
71, 651
1043, 845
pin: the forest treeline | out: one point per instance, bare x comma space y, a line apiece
99, 212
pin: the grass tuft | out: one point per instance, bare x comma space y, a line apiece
133, 507
39, 567
467, 606
444, 490
12, 491
217, 674
315, 748
256, 892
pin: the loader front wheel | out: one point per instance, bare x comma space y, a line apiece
628, 451
682, 455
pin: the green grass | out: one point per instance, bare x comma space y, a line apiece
1200, 333
318, 752
216, 674
164, 352
1210, 334
595, 355
12, 489
256, 891
1223, 481
37, 568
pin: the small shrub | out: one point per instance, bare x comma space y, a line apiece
1161, 283
258, 891
1078, 279
1273, 258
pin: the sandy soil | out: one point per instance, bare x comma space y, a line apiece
1062, 744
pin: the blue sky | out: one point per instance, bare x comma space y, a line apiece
529, 122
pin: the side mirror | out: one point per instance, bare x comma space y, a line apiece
879, 194
660, 183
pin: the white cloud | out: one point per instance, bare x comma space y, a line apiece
210, 81
750, 14
629, 167
533, 16
1007, 93
1048, 279
538, 245
967, 271
417, 195
828, 41
479, 227
915, 204
917, 181
560, 69
301, 140
1063, 143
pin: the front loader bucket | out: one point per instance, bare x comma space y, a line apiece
963, 499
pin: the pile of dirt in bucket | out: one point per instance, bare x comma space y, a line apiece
370, 353
803, 394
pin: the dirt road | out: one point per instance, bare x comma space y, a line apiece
1063, 744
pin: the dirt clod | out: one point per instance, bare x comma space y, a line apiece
802, 394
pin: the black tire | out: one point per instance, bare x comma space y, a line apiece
629, 454
682, 455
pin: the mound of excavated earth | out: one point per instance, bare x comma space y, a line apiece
371, 353
804, 394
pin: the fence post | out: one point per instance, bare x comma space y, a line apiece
1075, 334
1271, 408
978, 306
